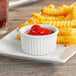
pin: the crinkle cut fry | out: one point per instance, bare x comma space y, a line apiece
69, 16
67, 44
22, 25
47, 18
51, 6
66, 39
18, 37
58, 24
56, 12
74, 10
67, 32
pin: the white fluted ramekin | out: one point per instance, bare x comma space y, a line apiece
38, 45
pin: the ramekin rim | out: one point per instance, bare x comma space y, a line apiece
42, 36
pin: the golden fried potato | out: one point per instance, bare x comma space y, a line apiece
56, 12
67, 44
47, 18
51, 6
69, 16
66, 39
22, 25
67, 32
74, 11
58, 24
18, 37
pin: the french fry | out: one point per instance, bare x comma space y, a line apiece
67, 32
67, 44
18, 37
58, 24
32, 21
64, 5
69, 16
72, 14
74, 10
47, 18
56, 12
66, 39
51, 6
22, 25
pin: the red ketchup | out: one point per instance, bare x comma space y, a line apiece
38, 30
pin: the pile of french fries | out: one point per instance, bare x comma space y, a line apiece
64, 18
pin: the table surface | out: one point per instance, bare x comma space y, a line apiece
17, 67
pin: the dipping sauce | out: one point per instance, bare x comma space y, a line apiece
38, 30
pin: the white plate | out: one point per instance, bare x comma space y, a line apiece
9, 46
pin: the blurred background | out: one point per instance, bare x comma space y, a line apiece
20, 3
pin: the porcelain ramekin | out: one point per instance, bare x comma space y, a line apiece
38, 45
